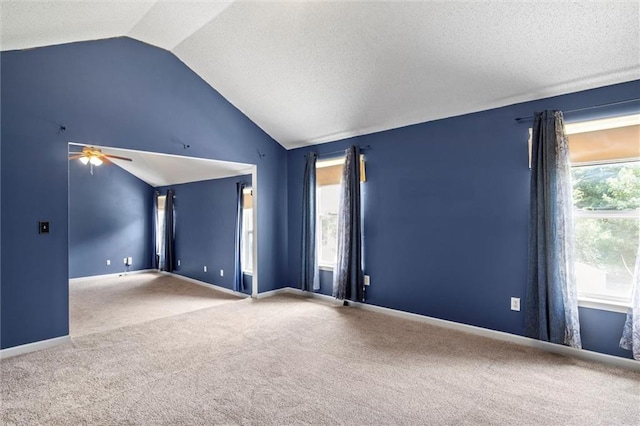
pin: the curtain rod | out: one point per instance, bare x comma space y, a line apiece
341, 151
585, 109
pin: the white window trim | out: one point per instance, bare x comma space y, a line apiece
602, 124
330, 162
325, 267
592, 301
608, 214
602, 304
322, 263
605, 162
248, 269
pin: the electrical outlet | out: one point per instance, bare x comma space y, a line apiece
367, 280
178, 262
129, 260
108, 262
515, 303
221, 272
125, 261
205, 269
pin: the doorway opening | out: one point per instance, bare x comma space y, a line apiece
113, 230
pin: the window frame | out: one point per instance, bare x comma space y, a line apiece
598, 301
323, 264
587, 300
247, 267
160, 214
331, 162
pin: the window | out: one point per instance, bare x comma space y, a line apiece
246, 245
328, 175
605, 157
160, 224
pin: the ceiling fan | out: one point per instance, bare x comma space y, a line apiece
94, 157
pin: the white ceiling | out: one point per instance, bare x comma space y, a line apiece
313, 72
163, 169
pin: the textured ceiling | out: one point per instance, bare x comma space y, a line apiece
162, 169
313, 72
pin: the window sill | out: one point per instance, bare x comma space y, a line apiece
325, 267
603, 305
248, 273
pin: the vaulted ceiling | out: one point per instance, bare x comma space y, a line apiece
313, 72
163, 169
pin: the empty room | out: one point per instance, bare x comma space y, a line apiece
319, 212
123, 257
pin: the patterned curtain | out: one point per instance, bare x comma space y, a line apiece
631, 333
348, 277
551, 310
238, 281
309, 277
156, 234
168, 261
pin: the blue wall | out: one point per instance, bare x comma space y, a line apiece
205, 223
120, 93
445, 205
445, 212
110, 217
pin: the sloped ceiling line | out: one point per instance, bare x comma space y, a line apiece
313, 72
163, 169
179, 21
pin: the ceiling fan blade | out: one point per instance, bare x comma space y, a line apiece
106, 160
73, 156
117, 157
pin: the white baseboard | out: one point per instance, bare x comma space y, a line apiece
205, 284
274, 292
32, 347
116, 274
312, 295
479, 331
508, 337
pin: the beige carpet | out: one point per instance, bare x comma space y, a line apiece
287, 360
102, 304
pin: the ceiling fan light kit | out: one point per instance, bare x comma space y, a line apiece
94, 157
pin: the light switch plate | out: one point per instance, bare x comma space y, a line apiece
515, 303
43, 227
